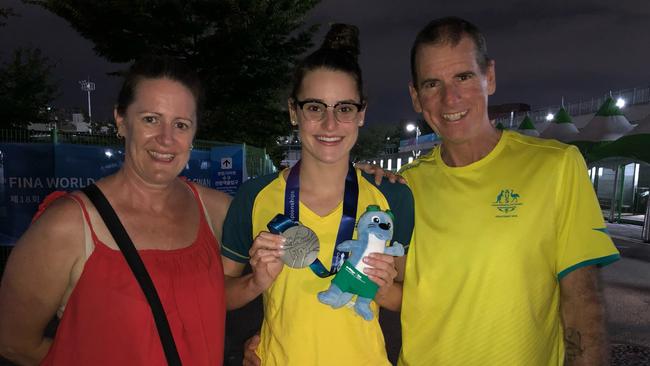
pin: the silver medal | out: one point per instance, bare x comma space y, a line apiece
301, 247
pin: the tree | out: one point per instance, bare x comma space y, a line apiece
5, 13
375, 140
244, 51
26, 88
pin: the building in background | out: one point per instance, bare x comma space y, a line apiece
612, 132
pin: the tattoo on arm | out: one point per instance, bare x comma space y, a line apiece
573, 345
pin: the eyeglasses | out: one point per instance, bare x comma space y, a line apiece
315, 111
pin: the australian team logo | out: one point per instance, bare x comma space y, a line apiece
507, 201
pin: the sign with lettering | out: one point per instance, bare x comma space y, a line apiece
29, 172
229, 169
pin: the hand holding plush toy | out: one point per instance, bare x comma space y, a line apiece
375, 230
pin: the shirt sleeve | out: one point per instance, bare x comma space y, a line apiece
582, 236
238, 224
400, 202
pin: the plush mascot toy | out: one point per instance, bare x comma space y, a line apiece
375, 230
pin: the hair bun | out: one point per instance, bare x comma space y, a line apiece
344, 38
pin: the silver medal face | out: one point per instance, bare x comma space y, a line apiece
301, 247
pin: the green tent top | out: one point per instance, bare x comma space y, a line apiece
609, 108
562, 116
527, 124
499, 126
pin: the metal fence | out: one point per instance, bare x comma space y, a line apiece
257, 160
55, 137
631, 96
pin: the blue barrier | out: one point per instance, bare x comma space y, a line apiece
29, 172
430, 137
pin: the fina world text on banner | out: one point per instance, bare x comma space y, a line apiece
29, 172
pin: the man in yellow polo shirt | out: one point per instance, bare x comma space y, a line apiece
502, 269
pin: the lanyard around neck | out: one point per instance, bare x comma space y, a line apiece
348, 219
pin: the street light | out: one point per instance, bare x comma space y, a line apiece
410, 128
620, 102
88, 86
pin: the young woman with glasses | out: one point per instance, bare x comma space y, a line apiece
324, 193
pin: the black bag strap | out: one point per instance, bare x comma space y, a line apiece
137, 267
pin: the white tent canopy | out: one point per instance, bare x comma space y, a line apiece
561, 128
608, 124
526, 127
642, 127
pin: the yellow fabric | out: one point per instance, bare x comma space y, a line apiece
491, 238
297, 328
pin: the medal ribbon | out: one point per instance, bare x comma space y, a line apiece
348, 219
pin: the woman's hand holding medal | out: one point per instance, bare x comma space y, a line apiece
265, 259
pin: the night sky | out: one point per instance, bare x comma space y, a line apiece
543, 50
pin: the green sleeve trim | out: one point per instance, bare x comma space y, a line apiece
237, 235
600, 262
400, 202
602, 230
227, 252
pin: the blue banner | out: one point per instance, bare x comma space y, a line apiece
26, 178
199, 168
430, 137
76, 166
29, 172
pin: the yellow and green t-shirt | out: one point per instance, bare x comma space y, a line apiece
297, 328
492, 241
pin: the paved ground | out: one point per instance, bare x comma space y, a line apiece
627, 297
625, 232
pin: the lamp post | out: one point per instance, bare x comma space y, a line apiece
88, 86
414, 127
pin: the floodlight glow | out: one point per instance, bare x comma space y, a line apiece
549, 117
620, 102
600, 172
390, 164
410, 159
381, 163
108, 153
410, 127
399, 163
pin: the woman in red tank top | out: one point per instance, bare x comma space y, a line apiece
67, 262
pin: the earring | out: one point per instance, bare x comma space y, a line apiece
360, 123
294, 123
191, 147
117, 134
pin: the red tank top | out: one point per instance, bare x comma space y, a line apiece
107, 320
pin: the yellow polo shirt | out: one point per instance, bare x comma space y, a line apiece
492, 241
297, 328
